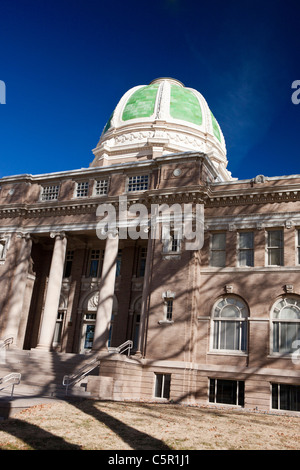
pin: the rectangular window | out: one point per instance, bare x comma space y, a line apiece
142, 261
275, 247
246, 249
2, 249
298, 246
119, 261
171, 240
68, 263
230, 392
101, 187
50, 193
58, 329
95, 264
218, 250
162, 385
138, 183
169, 309
286, 397
82, 189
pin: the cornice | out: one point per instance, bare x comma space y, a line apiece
248, 196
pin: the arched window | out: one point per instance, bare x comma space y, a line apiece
286, 324
229, 324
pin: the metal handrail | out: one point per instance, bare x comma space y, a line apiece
127, 346
70, 380
11, 379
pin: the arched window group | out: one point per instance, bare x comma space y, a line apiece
229, 327
229, 324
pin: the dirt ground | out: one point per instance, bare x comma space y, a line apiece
94, 425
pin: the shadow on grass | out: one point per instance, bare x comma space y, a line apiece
136, 439
34, 437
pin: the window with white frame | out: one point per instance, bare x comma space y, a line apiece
101, 187
246, 248
286, 325
162, 386
4, 242
285, 397
168, 306
82, 189
58, 329
50, 193
229, 325
218, 249
275, 247
2, 249
230, 392
138, 183
171, 239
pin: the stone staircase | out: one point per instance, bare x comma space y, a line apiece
42, 373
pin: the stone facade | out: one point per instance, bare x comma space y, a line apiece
213, 325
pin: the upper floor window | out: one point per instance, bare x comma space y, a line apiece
95, 263
171, 239
246, 248
68, 263
4, 242
2, 249
118, 263
101, 187
138, 183
218, 249
298, 246
50, 193
229, 324
82, 189
275, 248
142, 261
168, 305
286, 325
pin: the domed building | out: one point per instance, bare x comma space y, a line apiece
153, 274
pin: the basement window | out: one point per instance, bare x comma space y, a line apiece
230, 392
286, 397
162, 386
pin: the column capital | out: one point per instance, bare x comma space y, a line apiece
62, 235
24, 235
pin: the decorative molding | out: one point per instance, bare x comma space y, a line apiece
228, 289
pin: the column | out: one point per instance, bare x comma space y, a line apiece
53, 291
106, 292
18, 287
145, 299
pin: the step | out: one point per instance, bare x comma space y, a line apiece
42, 373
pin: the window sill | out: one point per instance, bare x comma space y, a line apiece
289, 356
228, 353
165, 322
171, 255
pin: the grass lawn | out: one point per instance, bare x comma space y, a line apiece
98, 425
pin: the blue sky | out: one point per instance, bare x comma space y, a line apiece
67, 63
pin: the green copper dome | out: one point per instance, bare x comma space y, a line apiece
141, 103
161, 118
144, 102
185, 106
